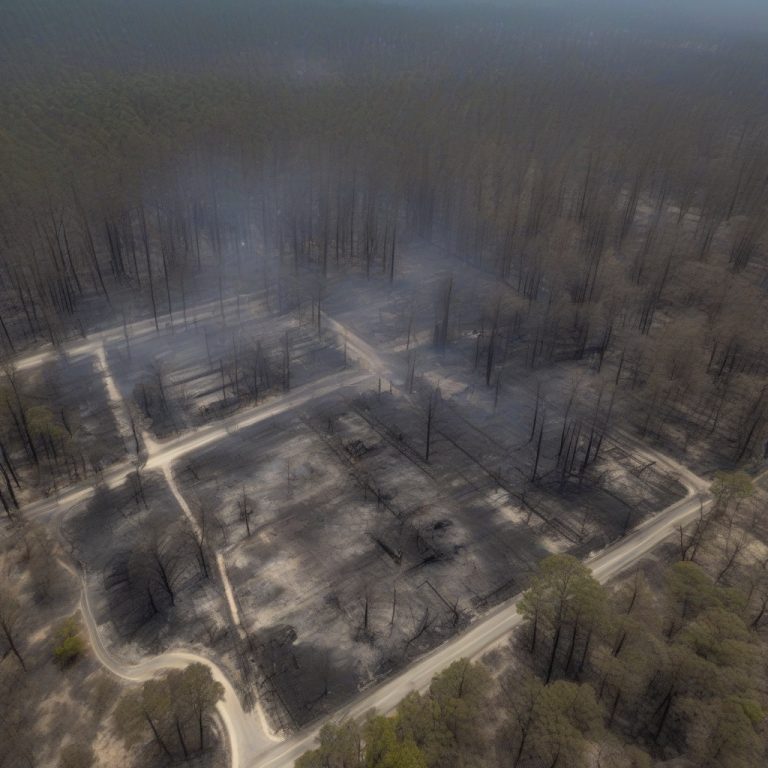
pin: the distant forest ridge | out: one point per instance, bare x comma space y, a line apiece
110, 82
610, 175
45, 37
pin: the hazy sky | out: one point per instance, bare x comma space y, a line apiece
739, 12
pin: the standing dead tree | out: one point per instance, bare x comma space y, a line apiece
144, 582
434, 398
692, 540
441, 328
245, 510
10, 620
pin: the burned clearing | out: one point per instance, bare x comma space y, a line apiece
150, 575
416, 460
352, 550
202, 372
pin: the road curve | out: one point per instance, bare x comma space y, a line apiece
253, 747
247, 736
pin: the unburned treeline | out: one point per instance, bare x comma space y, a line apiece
658, 666
617, 676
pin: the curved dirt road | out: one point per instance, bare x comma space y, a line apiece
247, 735
251, 744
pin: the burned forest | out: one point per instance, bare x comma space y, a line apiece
383, 384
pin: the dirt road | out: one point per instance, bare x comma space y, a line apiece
490, 630
247, 733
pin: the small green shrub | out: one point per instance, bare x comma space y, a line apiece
69, 645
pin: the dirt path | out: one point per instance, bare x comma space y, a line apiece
77, 348
162, 453
168, 451
247, 731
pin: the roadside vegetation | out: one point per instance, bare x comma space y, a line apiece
665, 664
55, 699
172, 713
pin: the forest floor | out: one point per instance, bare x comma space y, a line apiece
47, 706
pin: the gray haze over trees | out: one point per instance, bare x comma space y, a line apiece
326, 326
